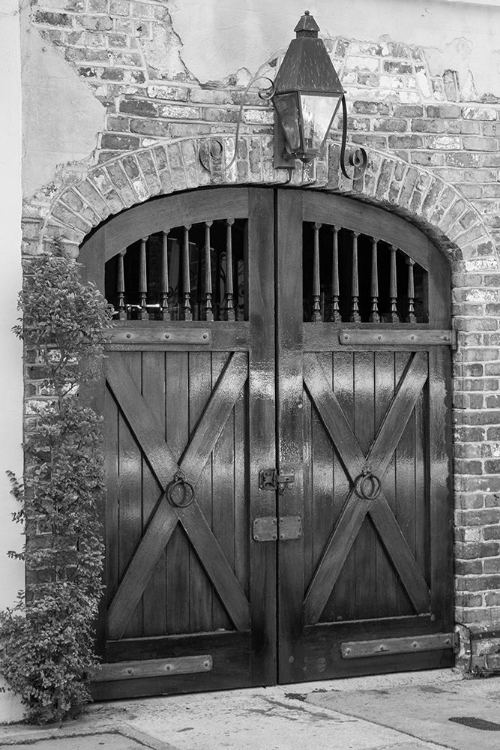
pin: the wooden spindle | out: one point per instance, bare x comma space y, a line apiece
186, 281
229, 300
355, 316
335, 310
209, 313
393, 289
165, 312
143, 282
316, 291
411, 317
120, 286
374, 316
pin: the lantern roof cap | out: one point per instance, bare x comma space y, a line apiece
307, 26
307, 67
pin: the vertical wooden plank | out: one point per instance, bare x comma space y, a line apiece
387, 582
241, 539
405, 481
262, 428
321, 489
178, 549
289, 348
110, 434
130, 496
200, 589
155, 594
364, 428
343, 599
223, 492
440, 490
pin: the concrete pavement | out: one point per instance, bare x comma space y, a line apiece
409, 711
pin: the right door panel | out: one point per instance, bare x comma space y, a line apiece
372, 577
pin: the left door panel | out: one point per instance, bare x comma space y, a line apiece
190, 597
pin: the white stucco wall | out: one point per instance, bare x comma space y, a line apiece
11, 572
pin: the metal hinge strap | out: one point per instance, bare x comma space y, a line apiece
434, 642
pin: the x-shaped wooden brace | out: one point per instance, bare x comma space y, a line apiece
356, 507
150, 437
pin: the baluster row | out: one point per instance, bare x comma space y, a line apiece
225, 276
332, 309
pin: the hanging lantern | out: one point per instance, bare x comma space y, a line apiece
307, 94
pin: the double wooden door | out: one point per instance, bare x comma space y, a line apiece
277, 440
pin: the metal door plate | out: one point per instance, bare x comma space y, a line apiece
129, 670
436, 642
270, 528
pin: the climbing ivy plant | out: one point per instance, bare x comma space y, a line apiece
47, 638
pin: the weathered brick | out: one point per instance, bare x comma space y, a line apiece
390, 125
112, 74
149, 172
120, 180
443, 142
405, 141
370, 108
470, 551
138, 107
155, 128
469, 600
397, 67
408, 110
443, 111
472, 143
468, 567
179, 112
427, 126
479, 113
53, 19
492, 566
492, 599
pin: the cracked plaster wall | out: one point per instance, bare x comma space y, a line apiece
457, 35
210, 41
61, 117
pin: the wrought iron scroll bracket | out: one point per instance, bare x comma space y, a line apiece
358, 159
212, 151
180, 492
367, 486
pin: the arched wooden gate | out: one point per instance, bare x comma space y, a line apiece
277, 435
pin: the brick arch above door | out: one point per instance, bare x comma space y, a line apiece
415, 193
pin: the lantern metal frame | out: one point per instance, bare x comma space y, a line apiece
308, 71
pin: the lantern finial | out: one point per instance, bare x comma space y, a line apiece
307, 26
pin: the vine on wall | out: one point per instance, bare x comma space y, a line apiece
47, 638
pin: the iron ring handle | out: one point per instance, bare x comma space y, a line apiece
367, 481
187, 491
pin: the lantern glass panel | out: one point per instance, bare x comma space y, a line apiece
318, 112
287, 108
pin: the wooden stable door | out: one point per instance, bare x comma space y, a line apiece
277, 443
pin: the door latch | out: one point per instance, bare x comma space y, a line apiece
269, 479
